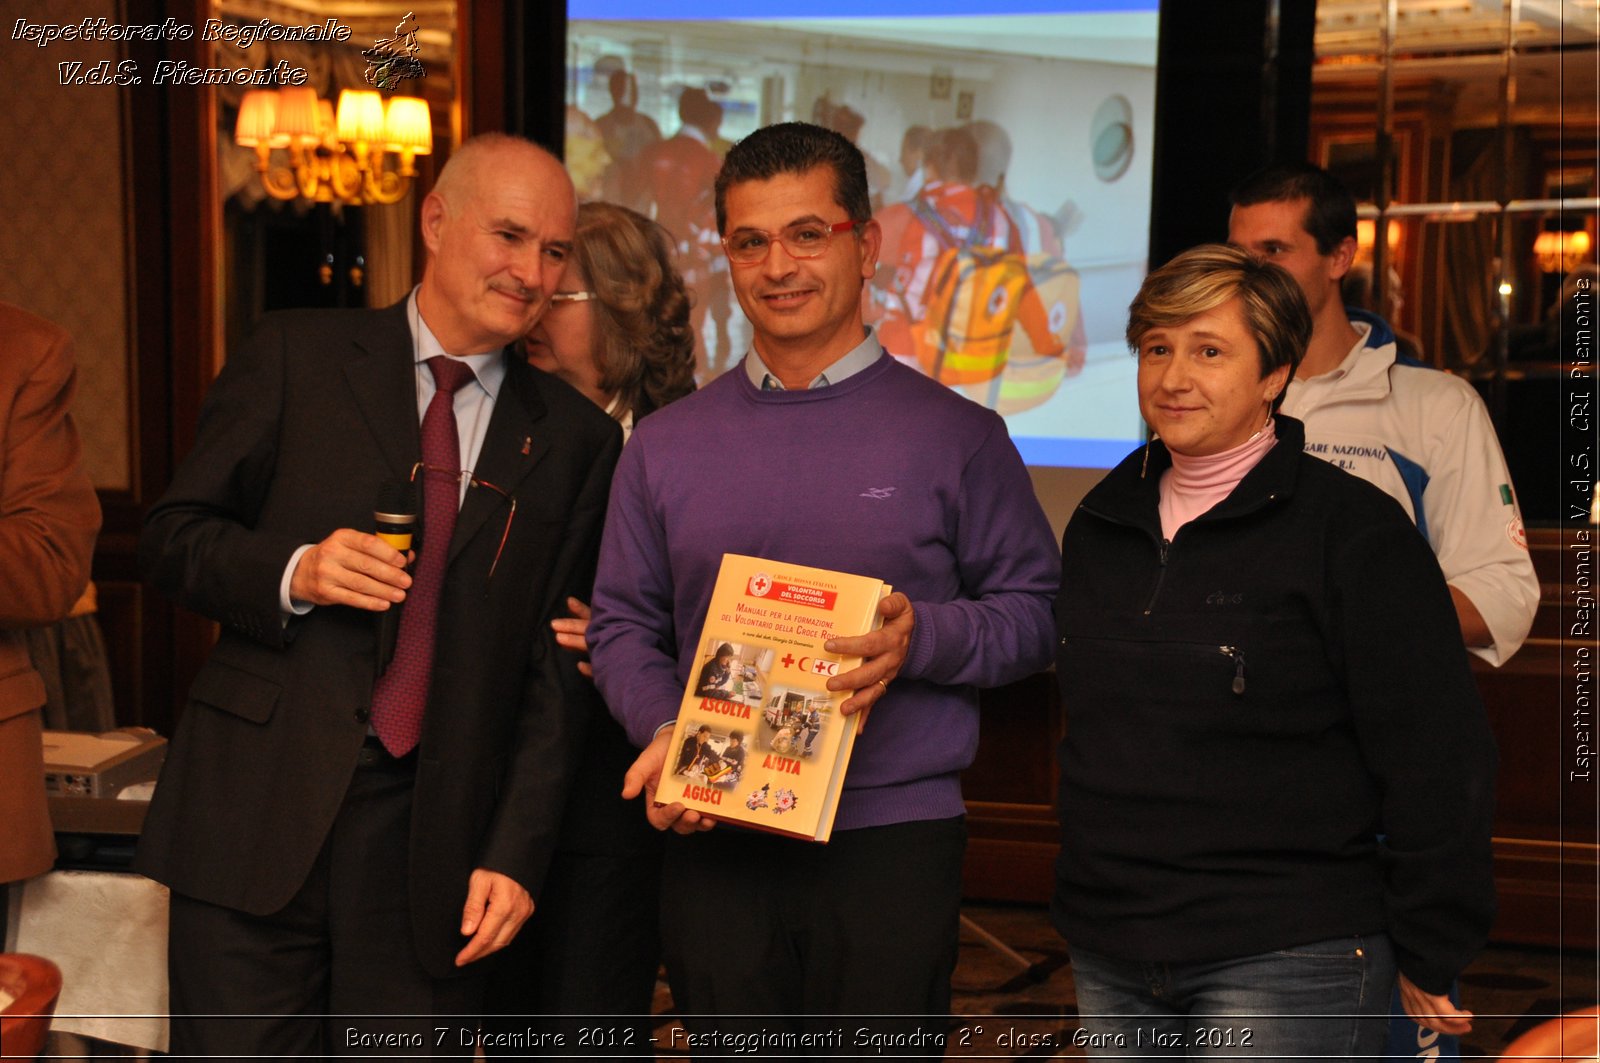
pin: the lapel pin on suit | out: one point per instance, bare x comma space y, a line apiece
527, 445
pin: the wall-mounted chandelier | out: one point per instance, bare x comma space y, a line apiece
335, 156
1560, 252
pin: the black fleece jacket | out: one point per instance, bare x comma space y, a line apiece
1273, 736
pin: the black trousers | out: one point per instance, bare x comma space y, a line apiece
334, 972
584, 967
838, 949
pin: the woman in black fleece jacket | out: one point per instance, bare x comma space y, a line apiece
1276, 784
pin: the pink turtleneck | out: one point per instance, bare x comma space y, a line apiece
1194, 484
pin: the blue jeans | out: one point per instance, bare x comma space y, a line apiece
1326, 999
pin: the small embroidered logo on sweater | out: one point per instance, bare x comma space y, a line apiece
877, 492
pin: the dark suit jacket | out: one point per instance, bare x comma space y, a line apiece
297, 434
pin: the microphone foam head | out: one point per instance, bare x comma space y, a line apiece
397, 499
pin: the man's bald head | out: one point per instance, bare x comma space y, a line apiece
498, 226
463, 171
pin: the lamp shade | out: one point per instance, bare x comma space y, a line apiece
297, 115
257, 112
1367, 229
360, 116
408, 126
1560, 252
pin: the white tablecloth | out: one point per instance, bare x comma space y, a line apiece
108, 934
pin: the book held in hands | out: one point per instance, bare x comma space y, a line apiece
759, 739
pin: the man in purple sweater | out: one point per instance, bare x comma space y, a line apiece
841, 457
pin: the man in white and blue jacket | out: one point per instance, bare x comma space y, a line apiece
1421, 435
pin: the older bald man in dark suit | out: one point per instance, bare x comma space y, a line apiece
341, 842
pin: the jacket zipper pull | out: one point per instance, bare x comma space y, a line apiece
1238, 667
1161, 574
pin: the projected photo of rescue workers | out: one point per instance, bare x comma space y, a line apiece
1008, 159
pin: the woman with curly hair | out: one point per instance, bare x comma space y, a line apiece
617, 331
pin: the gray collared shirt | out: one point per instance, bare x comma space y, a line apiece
863, 354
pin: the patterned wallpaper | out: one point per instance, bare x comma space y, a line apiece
63, 245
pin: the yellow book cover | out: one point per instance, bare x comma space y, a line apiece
759, 739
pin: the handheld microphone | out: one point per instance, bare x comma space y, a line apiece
395, 516
396, 513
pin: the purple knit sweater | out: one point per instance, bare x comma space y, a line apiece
886, 474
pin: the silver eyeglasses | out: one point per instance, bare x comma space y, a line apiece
572, 297
803, 239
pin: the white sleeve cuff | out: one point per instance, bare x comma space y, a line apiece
286, 605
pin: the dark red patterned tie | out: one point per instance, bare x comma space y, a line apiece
401, 695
